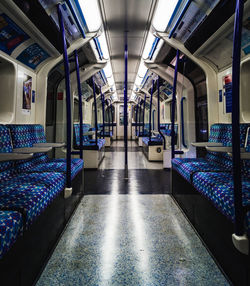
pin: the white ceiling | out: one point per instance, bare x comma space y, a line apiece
133, 16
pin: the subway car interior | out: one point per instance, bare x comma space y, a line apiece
124, 142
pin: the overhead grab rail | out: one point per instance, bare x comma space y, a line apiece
240, 240
158, 113
68, 97
173, 106
182, 123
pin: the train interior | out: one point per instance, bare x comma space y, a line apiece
124, 142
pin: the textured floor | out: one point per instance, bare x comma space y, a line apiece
129, 232
130, 240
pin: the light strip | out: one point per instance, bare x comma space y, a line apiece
91, 12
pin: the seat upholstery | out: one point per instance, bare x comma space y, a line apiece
11, 227
154, 141
25, 136
30, 193
214, 161
218, 188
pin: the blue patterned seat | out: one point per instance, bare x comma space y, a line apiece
218, 188
154, 141
30, 193
11, 227
27, 135
214, 161
88, 144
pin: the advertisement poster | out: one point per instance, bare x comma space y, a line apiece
27, 93
33, 56
227, 87
11, 35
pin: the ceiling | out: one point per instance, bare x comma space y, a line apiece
133, 17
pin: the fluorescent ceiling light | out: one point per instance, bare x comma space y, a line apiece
104, 47
163, 13
142, 70
91, 13
148, 45
108, 70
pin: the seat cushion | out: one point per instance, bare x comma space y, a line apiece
11, 226
187, 167
59, 165
30, 193
218, 188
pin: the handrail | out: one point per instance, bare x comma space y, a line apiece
150, 109
75, 18
80, 102
103, 114
94, 94
179, 18
174, 104
239, 213
143, 114
68, 99
112, 121
153, 117
136, 119
182, 123
126, 106
158, 113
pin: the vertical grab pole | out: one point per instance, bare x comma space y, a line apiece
136, 119
112, 121
68, 99
158, 114
125, 108
143, 115
174, 104
150, 110
108, 110
80, 101
103, 115
96, 127
239, 214
140, 118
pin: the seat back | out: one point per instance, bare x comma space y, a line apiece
85, 128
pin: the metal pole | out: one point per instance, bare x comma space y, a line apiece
80, 102
158, 113
150, 109
112, 121
136, 119
239, 214
125, 109
143, 115
103, 114
173, 105
96, 127
68, 100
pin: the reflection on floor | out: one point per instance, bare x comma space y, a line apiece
129, 232
136, 160
130, 240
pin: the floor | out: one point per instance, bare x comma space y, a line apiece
129, 232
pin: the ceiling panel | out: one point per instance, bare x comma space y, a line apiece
133, 16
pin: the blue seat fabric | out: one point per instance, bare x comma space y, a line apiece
155, 141
30, 193
88, 144
26, 136
214, 161
11, 227
218, 188
212, 175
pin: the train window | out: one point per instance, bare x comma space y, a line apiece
245, 102
7, 93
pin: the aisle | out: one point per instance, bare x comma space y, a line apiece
129, 232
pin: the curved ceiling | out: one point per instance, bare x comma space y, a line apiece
134, 18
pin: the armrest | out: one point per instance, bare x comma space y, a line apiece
32, 150
205, 144
243, 155
14, 156
222, 149
53, 145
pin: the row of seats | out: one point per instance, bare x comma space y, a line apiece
27, 187
88, 143
166, 129
212, 176
140, 132
107, 131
